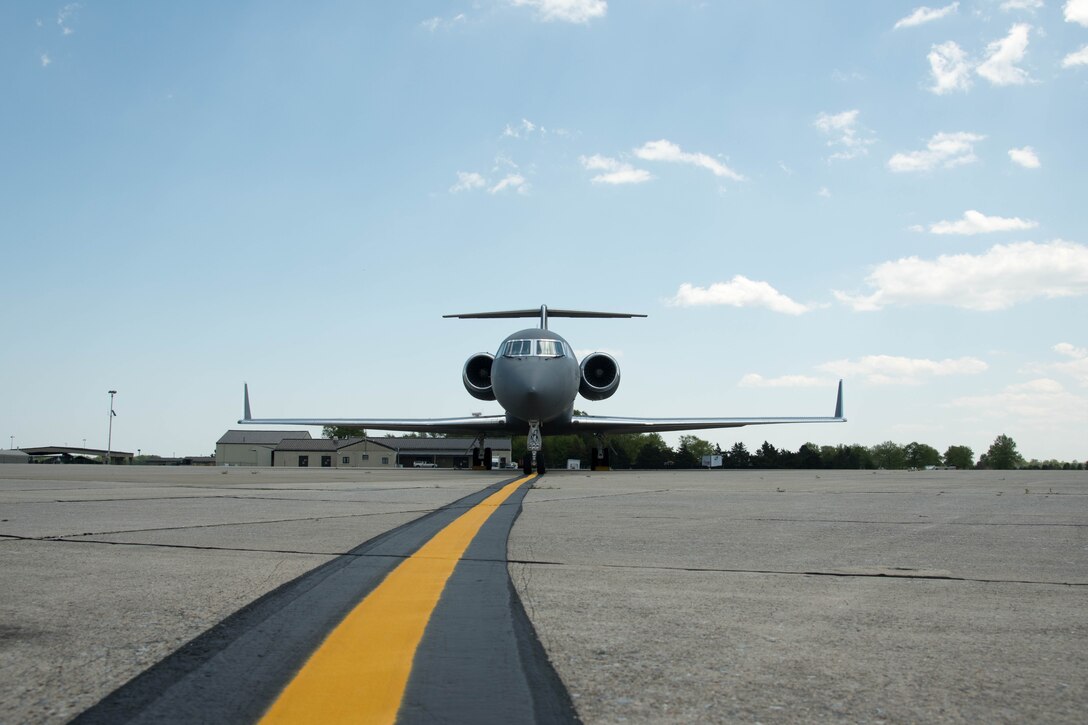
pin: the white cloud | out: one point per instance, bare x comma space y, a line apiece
846, 77
1077, 57
436, 23
950, 68
1076, 11
518, 130
755, 380
1077, 366
895, 370
615, 171
46, 60
975, 222
1002, 56
66, 15
1010, 5
844, 132
738, 292
664, 150
511, 181
824, 192
1025, 157
567, 11
943, 149
468, 180
925, 15
1042, 398
1001, 277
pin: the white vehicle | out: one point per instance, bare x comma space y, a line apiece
424, 464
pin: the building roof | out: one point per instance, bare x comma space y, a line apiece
73, 451
14, 456
261, 437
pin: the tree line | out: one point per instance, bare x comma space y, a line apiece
649, 450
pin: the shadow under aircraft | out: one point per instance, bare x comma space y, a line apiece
536, 377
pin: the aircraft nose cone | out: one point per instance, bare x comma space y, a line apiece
528, 390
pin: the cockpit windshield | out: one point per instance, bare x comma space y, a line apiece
533, 348
549, 348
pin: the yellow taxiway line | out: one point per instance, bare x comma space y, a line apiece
360, 672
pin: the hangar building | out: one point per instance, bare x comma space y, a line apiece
251, 447
297, 449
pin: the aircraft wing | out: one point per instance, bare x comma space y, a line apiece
609, 424
469, 424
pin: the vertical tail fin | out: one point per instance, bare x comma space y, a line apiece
247, 415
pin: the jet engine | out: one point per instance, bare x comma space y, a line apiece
600, 376
477, 376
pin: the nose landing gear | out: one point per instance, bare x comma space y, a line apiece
535, 443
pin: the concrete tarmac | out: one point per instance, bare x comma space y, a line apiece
659, 597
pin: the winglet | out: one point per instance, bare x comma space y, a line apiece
838, 403
248, 415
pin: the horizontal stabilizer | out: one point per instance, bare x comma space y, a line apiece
543, 312
507, 314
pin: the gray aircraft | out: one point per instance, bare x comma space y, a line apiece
536, 377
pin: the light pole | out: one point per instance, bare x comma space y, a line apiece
11, 446
109, 436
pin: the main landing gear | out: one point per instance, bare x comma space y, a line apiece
484, 462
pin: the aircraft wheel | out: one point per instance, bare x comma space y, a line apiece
540, 464
527, 464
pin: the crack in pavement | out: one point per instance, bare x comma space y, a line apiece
224, 496
864, 521
59, 537
905, 574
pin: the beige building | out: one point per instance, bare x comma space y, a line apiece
334, 453
252, 447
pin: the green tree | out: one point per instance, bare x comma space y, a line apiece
654, 453
738, 457
808, 456
888, 455
766, 456
920, 455
690, 451
960, 457
1002, 454
343, 431
850, 457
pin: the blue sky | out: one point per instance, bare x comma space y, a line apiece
193, 195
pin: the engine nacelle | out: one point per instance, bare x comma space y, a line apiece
477, 376
600, 376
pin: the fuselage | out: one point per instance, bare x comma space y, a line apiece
535, 377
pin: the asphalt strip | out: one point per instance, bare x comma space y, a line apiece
479, 659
